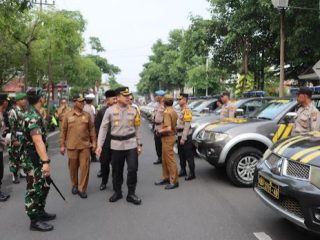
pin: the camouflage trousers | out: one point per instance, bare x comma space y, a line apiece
37, 187
14, 159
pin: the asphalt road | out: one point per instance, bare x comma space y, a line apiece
209, 207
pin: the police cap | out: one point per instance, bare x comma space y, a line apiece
124, 91
160, 93
78, 97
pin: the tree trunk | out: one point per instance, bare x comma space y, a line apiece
26, 67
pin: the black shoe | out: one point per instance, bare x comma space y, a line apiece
4, 197
103, 186
115, 197
190, 177
134, 199
40, 226
74, 190
182, 173
83, 194
157, 162
47, 216
171, 186
99, 175
162, 182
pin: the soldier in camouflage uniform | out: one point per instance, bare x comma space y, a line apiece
16, 121
35, 163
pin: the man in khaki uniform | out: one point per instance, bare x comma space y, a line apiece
228, 109
62, 110
308, 116
79, 137
168, 132
157, 121
123, 121
184, 133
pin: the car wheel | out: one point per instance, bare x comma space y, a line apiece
241, 166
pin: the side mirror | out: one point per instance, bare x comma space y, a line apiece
239, 113
289, 117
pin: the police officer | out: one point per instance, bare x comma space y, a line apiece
79, 137
105, 158
36, 163
3, 142
168, 134
123, 121
157, 121
228, 109
184, 133
16, 121
308, 116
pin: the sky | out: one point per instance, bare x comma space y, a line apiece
127, 29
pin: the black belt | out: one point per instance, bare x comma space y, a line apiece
157, 123
180, 130
123, 138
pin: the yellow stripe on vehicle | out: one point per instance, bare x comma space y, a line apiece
279, 132
298, 155
310, 157
290, 144
288, 131
285, 142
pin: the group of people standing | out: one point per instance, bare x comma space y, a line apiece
169, 128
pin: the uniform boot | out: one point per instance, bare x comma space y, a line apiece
37, 225
44, 216
133, 198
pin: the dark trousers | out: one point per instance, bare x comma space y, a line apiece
105, 162
1, 168
185, 153
158, 144
118, 160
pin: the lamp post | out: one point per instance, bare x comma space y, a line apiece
281, 5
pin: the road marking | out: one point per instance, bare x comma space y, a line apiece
262, 236
52, 134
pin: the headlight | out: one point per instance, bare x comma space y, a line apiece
315, 176
217, 137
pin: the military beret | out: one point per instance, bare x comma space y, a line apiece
305, 91
168, 97
160, 93
35, 92
78, 97
110, 93
3, 96
122, 91
20, 96
183, 95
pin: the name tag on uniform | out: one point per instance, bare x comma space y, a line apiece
19, 133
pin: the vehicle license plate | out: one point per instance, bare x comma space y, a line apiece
269, 187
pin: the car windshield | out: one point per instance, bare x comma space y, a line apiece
202, 106
195, 104
272, 109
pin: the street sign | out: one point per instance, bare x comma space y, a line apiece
316, 68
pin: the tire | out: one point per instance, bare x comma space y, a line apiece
248, 157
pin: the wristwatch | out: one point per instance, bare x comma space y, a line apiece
45, 161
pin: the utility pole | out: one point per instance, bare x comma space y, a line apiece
42, 3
